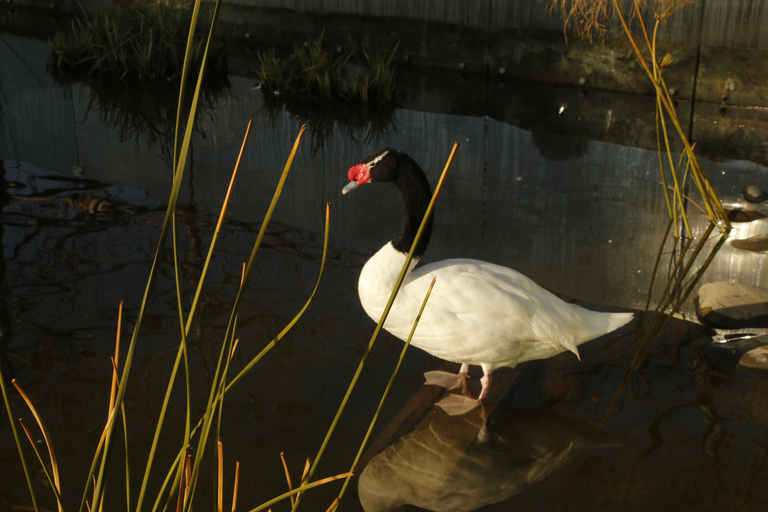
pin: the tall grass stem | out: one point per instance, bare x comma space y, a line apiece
383, 318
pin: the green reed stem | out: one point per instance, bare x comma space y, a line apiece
380, 324
16, 438
43, 465
386, 391
225, 349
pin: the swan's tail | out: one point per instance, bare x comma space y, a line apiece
616, 320
602, 323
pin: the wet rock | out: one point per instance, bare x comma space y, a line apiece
754, 194
727, 350
756, 358
732, 305
755, 243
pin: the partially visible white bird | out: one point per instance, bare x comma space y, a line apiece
479, 313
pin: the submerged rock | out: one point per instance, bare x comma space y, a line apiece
732, 305
754, 194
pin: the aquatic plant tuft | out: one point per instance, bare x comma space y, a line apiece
314, 71
135, 39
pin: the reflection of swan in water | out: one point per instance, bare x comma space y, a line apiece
458, 464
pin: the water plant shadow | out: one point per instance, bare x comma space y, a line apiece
360, 122
139, 110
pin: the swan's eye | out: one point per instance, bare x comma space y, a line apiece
376, 160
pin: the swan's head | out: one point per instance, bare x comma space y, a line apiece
377, 166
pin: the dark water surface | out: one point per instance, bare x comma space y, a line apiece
557, 183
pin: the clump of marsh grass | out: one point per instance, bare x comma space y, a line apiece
136, 39
314, 71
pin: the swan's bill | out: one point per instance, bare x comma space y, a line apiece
352, 185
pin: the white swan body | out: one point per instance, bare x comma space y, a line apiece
479, 313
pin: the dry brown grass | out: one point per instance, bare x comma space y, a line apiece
593, 18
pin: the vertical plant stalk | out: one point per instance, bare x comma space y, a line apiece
253, 362
302, 488
53, 485
220, 477
384, 315
287, 476
217, 389
171, 209
56, 483
184, 74
16, 438
386, 392
235, 486
295, 319
712, 204
182, 346
674, 296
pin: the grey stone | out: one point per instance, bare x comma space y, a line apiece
754, 194
732, 305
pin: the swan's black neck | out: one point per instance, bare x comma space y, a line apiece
417, 193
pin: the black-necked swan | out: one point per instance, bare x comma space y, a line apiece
479, 313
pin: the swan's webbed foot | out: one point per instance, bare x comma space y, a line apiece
445, 380
456, 405
448, 380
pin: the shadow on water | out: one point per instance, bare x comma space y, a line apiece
464, 463
568, 197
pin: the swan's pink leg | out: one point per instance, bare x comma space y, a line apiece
485, 380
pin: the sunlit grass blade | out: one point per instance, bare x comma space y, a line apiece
255, 360
714, 209
384, 315
116, 358
304, 475
334, 503
46, 436
112, 394
184, 77
300, 489
386, 390
54, 485
16, 438
678, 289
218, 389
171, 209
220, 476
287, 475
296, 318
181, 353
235, 486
